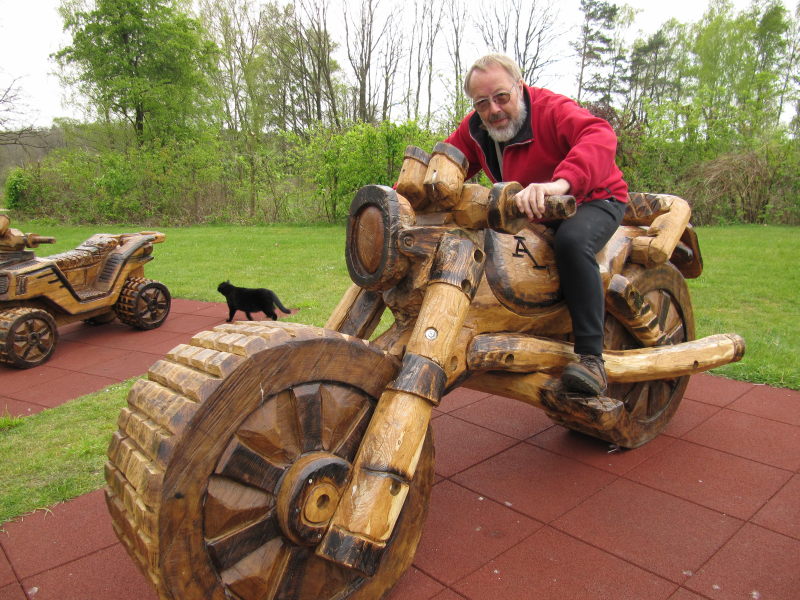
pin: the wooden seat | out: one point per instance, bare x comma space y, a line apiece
89, 253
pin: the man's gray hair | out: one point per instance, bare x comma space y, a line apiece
483, 63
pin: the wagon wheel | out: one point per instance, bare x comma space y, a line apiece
28, 337
649, 405
230, 460
143, 303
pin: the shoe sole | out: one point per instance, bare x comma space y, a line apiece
580, 384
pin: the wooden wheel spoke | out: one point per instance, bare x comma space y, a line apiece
229, 549
229, 506
664, 307
676, 335
346, 444
146, 307
646, 400
308, 408
242, 464
636, 399
36, 350
144, 311
345, 415
149, 294
272, 431
278, 569
313, 577
258, 575
670, 321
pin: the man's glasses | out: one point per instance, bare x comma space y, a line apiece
500, 98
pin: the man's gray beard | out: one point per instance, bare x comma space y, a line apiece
509, 131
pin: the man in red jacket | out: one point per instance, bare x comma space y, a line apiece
551, 145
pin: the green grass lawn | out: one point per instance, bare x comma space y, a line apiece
749, 286
59, 453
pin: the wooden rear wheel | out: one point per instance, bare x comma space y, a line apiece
231, 458
143, 303
650, 405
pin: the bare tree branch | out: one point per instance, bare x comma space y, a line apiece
11, 134
523, 29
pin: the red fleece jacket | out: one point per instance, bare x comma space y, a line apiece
559, 140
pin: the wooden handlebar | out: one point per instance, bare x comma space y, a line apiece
505, 217
556, 208
32, 240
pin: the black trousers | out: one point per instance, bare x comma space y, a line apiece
577, 241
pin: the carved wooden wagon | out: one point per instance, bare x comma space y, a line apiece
282, 461
100, 280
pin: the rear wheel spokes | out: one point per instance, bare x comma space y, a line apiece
646, 399
153, 303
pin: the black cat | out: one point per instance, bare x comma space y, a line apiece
250, 300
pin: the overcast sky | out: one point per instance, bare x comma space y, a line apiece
31, 30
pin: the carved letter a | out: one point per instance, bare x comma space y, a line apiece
522, 250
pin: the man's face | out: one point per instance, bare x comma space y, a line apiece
501, 120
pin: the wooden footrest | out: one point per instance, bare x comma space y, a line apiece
596, 412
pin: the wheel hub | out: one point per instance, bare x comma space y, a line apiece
308, 494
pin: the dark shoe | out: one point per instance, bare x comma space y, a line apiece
587, 377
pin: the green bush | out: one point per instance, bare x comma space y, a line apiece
339, 163
757, 185
167, 184
19, 189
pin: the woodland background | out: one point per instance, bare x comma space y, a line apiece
236, 111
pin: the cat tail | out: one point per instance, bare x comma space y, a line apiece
279, 305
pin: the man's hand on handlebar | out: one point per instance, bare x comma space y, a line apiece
531, 199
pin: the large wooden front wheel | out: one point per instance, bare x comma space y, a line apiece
230, 460
649, 405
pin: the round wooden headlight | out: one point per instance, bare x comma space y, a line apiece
370, 237
377, 215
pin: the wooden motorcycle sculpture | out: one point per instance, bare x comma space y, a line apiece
100, 280
282, 461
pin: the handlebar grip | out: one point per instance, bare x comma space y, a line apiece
505, 217
32, 240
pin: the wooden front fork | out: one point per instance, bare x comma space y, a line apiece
387, 458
